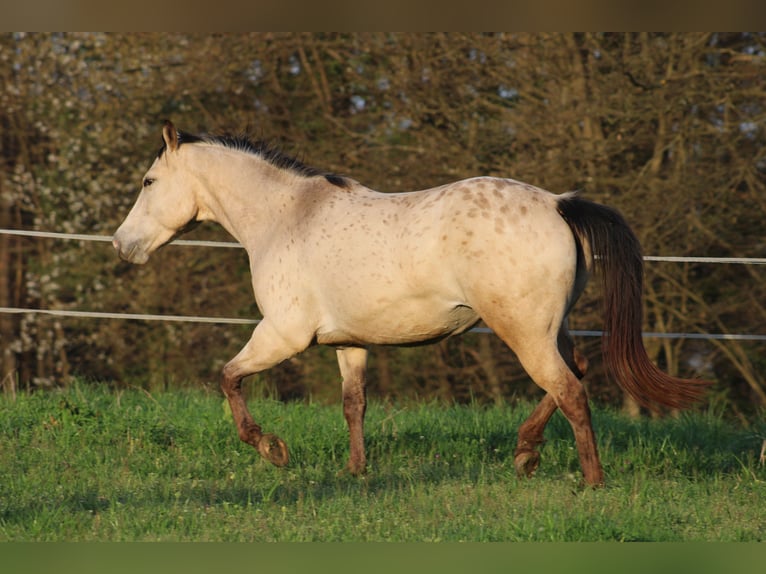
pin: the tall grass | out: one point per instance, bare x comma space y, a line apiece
90, 464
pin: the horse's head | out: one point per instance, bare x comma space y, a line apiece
166, 206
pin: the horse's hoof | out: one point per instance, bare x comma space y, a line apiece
595, 479
526, 463
273, 449
356, 471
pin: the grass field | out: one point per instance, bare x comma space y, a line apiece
93, 464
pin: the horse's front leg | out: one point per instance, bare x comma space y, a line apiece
265, 349
353, 369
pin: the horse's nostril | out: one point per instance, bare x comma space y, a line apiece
116, 244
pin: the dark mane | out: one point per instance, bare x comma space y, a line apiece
262, 149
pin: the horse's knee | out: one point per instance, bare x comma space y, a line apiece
231, 382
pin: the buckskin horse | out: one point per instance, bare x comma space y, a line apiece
336, 263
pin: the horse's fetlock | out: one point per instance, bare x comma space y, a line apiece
250, 433
526, 462
529, 439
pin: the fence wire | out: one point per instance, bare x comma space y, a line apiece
234, 244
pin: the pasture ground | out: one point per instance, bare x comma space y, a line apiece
90, 464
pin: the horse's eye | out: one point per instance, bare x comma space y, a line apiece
148, 181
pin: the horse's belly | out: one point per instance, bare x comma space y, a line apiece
406, 324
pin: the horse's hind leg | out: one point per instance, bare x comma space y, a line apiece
526, 457
353, 369
543, 361
548, 369
570, 397
264, 349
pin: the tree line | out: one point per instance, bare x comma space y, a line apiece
666, 127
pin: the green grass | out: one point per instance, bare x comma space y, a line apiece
90, 464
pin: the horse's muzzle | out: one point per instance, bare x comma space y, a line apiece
131, 252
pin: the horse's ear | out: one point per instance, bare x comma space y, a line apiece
170, 135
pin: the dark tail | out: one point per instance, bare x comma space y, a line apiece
617, 254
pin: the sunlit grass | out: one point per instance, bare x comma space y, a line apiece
90, 464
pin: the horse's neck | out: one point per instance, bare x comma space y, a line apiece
244, 195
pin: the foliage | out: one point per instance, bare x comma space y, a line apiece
668, 128
92, 464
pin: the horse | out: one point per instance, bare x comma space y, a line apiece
336, 263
